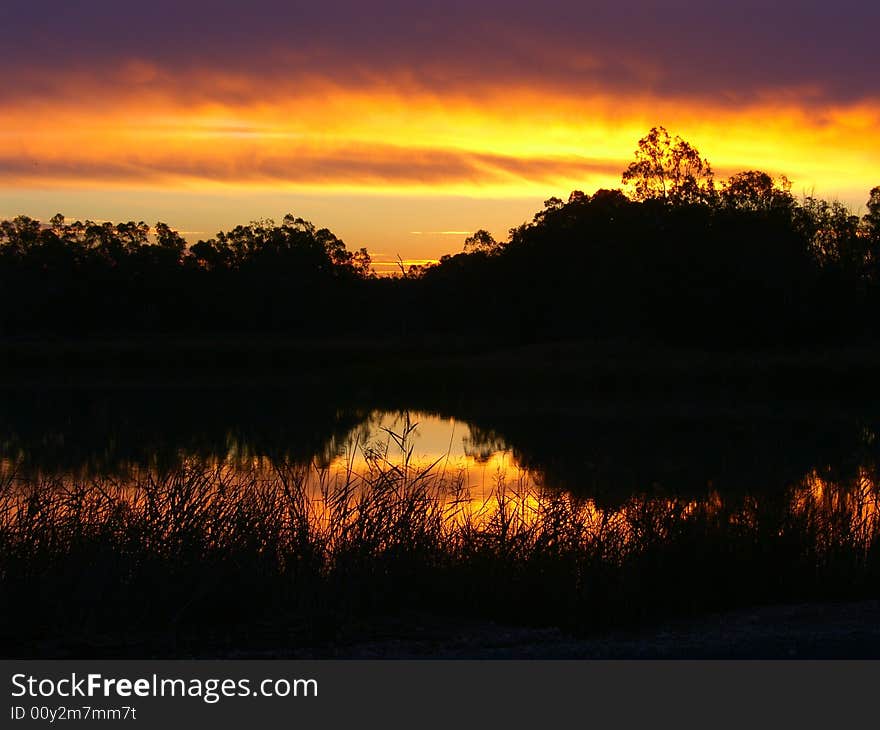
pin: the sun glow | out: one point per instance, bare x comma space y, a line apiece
402, 169
518, 143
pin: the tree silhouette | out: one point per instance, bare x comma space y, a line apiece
871, 219
678, 261
669, 169
757, 191
481, 241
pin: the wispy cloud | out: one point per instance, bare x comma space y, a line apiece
499, 100
731, 53
440, 233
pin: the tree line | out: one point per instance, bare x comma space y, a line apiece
86, 277
674, 255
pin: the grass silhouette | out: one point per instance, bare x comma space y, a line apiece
199, 558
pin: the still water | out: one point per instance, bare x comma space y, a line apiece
606, 455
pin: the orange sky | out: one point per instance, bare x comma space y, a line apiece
405, 161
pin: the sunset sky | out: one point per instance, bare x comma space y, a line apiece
403, 128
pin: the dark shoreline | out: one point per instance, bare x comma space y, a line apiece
597, 367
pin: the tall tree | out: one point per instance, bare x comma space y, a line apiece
669, 169
756, 191
481, 241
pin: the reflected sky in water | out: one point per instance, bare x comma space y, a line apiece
445, 446
474, 476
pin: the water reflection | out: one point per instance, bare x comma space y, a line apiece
447, 467
606, 455
405, 496
177, 510
425, 442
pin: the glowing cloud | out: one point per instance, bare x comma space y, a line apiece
502, 101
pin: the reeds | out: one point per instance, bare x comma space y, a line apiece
200, 557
